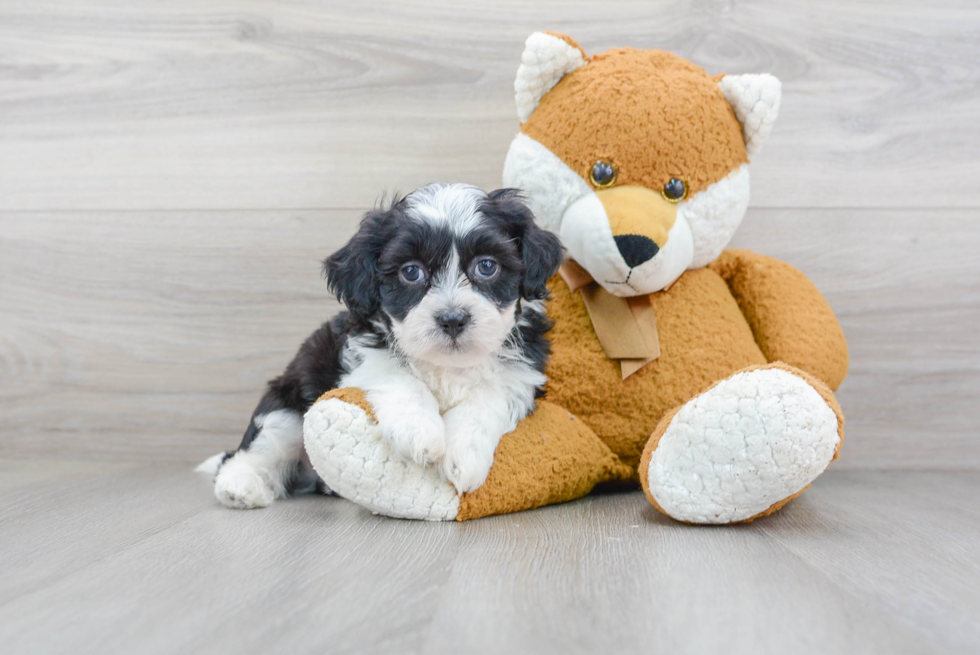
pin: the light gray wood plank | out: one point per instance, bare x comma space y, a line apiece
905, 542
150, 335
312, 575
612, 575
864, 562
44, 523
307, 103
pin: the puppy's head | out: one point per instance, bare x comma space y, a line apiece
443, 269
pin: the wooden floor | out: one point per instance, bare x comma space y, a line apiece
139, 558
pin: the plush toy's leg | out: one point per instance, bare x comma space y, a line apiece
551, 457
743, 448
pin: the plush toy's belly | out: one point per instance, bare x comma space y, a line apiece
703, 339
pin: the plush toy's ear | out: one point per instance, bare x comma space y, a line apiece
541, 251
755, 99
352, 272
546, 59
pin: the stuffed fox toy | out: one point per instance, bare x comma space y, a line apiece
705, 374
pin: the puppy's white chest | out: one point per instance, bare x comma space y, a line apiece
452, 386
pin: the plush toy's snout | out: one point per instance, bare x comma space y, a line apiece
630, 238
640, 220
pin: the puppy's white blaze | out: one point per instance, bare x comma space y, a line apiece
452, 205
450, 279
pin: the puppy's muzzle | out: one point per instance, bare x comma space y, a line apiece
453, 322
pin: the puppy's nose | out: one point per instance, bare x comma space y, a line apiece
636, 249
452, 323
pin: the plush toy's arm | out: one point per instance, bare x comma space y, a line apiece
550, 458
790, 319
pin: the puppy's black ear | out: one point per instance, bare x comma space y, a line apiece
541, 250
543, 254
352, 272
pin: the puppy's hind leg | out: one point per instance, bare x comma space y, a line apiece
270, 463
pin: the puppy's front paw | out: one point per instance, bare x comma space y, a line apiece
466, 464
416, 436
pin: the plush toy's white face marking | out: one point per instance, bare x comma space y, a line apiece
563, 202
586, 230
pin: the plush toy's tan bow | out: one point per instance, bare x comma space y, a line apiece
626, 327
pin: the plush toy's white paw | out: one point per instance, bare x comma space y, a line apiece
751, 441
353, 457
239, 486
416, 436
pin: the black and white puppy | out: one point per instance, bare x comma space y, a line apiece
445, 332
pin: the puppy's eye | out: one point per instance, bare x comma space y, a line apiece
486, 268
603, 174
675, 190
412, 273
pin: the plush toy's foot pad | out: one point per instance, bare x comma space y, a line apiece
551, 457
743, 448
348, 451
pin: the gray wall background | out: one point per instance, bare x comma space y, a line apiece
172, 173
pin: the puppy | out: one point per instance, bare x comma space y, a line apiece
445, 332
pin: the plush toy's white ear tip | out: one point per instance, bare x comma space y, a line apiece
546, 59
755, 99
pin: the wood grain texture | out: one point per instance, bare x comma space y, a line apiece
213, 104
152, 275
113, 557
136, 335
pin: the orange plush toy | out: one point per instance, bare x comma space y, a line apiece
706, 374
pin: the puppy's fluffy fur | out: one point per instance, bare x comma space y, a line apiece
445, 332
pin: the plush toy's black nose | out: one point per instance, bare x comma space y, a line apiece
636, 249
452, 323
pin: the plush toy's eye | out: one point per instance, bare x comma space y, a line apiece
412, 273
603, 174
675, 190
486, 268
